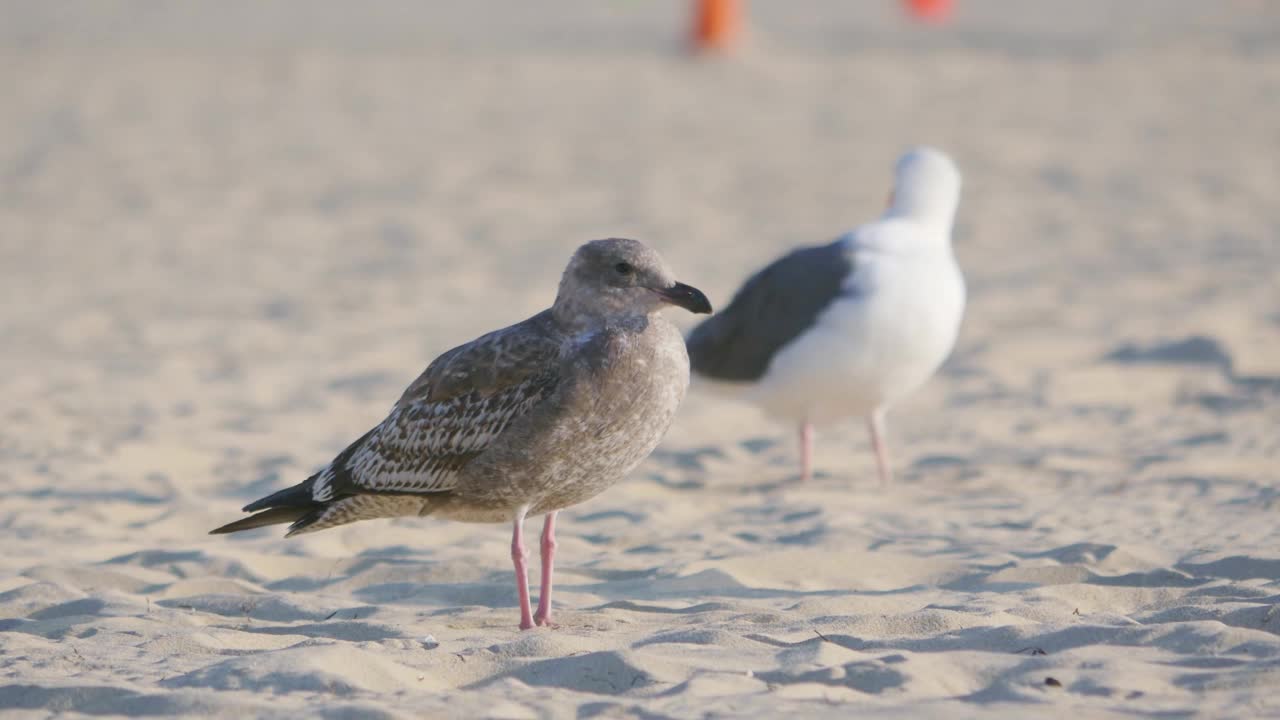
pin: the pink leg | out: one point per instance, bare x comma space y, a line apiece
548, 568
520, 557
876, 424
806, 451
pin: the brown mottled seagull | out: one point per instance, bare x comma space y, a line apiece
525, 420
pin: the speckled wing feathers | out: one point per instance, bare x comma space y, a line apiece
449, 415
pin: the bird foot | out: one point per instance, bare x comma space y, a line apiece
544, 621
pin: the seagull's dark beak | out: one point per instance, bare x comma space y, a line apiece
686, 296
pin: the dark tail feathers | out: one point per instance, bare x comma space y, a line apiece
286, 506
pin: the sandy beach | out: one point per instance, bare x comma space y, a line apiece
231, 234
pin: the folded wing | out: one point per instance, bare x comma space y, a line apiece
449, 416
771, 309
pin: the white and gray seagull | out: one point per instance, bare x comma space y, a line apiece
848, 328
525, 420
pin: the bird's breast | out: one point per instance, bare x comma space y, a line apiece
619, 397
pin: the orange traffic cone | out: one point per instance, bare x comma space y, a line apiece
717, 24
929, 10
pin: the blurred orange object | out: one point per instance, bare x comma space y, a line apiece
929, 10
717, 24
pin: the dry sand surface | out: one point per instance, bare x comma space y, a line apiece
230, 235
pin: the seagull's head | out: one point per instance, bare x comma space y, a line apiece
618, 277
926, 187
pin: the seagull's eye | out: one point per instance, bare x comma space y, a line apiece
624, 268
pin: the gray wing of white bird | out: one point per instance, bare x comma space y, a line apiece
770, 310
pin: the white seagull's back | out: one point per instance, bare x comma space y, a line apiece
895, 321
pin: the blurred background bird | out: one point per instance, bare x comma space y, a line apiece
848, 328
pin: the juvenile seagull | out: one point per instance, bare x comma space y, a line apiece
526, 420
848, 329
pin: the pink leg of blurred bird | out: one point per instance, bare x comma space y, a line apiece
543, 617
520, 558
876, 424
806, 451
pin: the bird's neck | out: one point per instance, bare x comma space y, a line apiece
932, 206
578, 318
940, 216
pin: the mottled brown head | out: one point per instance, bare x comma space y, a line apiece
618, 278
